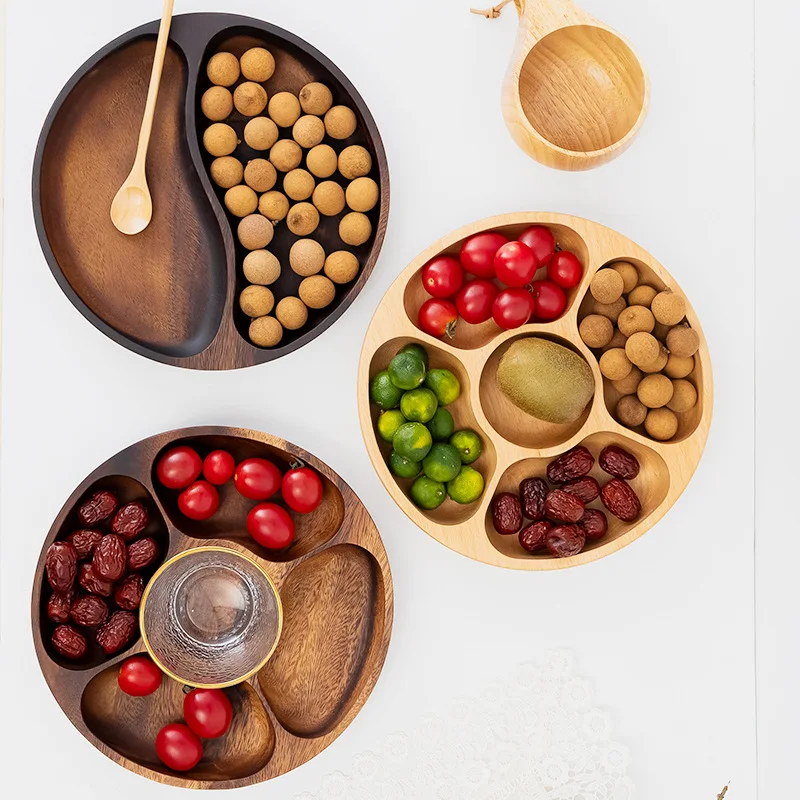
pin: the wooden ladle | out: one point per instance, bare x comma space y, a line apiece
132, 207
575, 94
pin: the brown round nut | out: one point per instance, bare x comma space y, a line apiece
355, 162
655, 391
220, 139
227, 171
302, 219
306, 257
660, 331
596, 331
321, 161
217, 103
634, 319
284, 109
328, 197
615, 365
265, 332
257, 64
292, 313
316, 98
355, 229
259, 174
286, 155
223, 69
661, 424
631, 411
642, 348
256, 301
340, 122
261, 267
630, 382
317, 291
274, 206
658, 364
261, 133
642, 296
668, 308
684, 396
679, 367
606, 286
255, 232
298, 184
241, 200
629, 273
250, 98
341, 266
683, 341
362, 194
610, 310
617, 340
308, 131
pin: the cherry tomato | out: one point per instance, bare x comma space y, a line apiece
178, 747
199, 502
438, 318
207, 712
139, 676
302, 490
257, 478
178, 467
271, 526
512, 308
474, 301
550, 300
442, 276
565, 270
515, 264
541, 241
218, 467
477, 253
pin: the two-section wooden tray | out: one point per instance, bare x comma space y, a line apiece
171, 292
516, 446
336, 591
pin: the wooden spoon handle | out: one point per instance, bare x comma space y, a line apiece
540, 17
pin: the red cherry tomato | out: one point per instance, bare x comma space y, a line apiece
550, 300
512, 308
199, 502
515, 264
302, 490
178, 467
257, 478
207, 712
438, 318
477, 253
218, 467
139, 676
271, 526
474, 301
565, 270
178, 747
442, 277
541, 241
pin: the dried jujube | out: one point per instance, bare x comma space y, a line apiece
532, 492
84, 541
594, 523
565, 540
142, 554
562, 506
59, 605
618, 462
586, 489
130, 521
114, 634
61, 564
69, 642
109, 558
506, 513
621, 500
90, 582
573, 464
532, 537
101, 505
89, 611
129, 591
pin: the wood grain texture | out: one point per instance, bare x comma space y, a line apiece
516, 444
357, 566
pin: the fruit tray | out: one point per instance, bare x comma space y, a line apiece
335, 588
516, 445
171, 292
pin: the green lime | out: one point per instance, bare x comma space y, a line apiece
468, 444
444, 385
413, 441
442, 425
406, 371
427, 494
404, 467
442, 463
389, 422
383, 392
466, 487
418, 350
418, 405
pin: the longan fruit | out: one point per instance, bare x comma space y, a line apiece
660, 331
606, 286
261, 133
255, 232
629, 273
328, 197
596, 331
292, 313
355, 162
274, 206
642, 296
654, 390
316, 98
298, 184
683, 341
284, 109
610, 310
362, 194
257, 64
286, 155
227, 171
617, 340
642, 348
321, 161
355, 229
217, 103
261, 267
684, 396
308, 131
250, 98
302, 219
634, 319
340, 122
678, 366
260, 175
256, 301
630, 383
317, 291
668, 308
240, 201
341, 266
615, 365
220, 139
661, 424
630, 411
223, 69
659, 363
266, 332
306, 257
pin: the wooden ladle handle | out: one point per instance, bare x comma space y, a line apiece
540, 17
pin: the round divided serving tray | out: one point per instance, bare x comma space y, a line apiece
336, 594
171, 293
516, 445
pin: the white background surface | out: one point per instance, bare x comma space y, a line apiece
665, 628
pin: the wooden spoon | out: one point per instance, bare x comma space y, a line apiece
132, 207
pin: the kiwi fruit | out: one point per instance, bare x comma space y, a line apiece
266, 332
355, 228
316, 98
341, 266
257, 64
321, 161
223, 69
606, 286
354, 162
340, 122
362, 194
596, 331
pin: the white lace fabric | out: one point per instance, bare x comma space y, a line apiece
533, 735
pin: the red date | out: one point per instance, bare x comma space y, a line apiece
618, 462
61, 563
532, 492
59, 604
562, 506
67, 641
142, 554
533, 536
621, 500
109, 558
506, 513
129, 592
129, 521
565, 540
585, 489
89, 611
573, 464
91, 583
594, 524
116, 632
99, 506
84, 541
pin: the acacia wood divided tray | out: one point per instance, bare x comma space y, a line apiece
336, 591
171, 292
516, 445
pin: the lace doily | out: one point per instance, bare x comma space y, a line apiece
534, 735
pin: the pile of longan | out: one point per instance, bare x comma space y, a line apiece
274, 188
648, 348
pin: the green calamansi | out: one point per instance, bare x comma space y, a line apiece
468, 444
427, 493
466, 487
444, 385
406, 371
419, 351
442, 463
418, 405
412, 441
383, 392
389, 422
442, 425
404, 467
